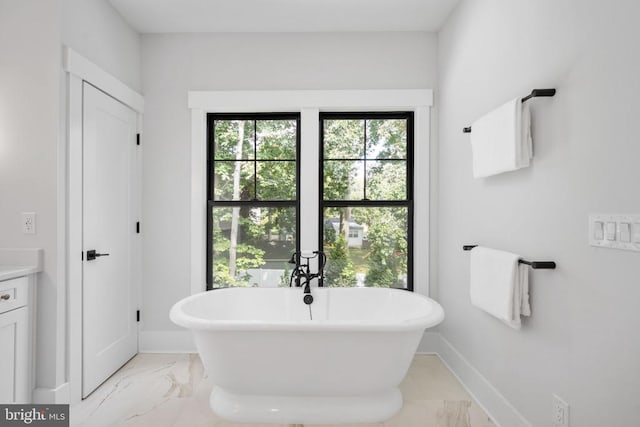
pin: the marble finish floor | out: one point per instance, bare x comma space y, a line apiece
157, 390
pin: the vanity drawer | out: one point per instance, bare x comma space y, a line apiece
13, 293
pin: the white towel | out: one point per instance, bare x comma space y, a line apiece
501, 140
500, 285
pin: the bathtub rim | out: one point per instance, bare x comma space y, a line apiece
433, 318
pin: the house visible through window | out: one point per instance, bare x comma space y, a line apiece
366, 205
252, 221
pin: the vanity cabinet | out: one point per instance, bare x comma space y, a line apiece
16, 361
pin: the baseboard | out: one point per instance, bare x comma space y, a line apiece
56, 395
501, 411
166, 342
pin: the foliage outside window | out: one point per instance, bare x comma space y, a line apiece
252, 225
366, 203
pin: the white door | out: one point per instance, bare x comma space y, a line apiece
109, 303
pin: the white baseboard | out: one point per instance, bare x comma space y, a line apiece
166, 342
501, 411
43, 395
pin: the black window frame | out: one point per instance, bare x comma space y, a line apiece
211, 202
408, 202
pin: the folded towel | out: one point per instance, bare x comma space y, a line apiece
500, 285
501, 140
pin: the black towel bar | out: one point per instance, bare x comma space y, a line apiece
536, 93
548, 265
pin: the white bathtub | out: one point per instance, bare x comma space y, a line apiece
270, 363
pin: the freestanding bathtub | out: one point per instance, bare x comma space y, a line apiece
271, 363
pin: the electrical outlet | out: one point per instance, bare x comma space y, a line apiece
29, 222
560, 412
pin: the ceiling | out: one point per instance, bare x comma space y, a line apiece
206, 16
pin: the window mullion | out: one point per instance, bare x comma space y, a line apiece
364, 188
309, 180
255, 160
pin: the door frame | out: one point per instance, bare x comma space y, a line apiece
78, 71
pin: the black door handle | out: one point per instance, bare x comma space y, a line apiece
91, 255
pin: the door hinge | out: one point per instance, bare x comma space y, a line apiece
82, 256
138, 227
137, 139
137, 315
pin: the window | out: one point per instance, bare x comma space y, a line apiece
252, 209
308, 106
366, 202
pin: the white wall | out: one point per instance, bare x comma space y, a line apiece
29, 125
174, 64
96, 30
582, 339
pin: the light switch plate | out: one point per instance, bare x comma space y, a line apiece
626, 231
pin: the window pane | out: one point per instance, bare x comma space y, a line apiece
276, 180
233, 181
387, 139
276, 139
343, 139
386, 180
233, 139
366, 246
343, 180
251, 246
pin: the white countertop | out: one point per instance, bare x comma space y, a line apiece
19, 262
11, 272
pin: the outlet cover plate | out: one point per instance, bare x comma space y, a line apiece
29, 222
559, 412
